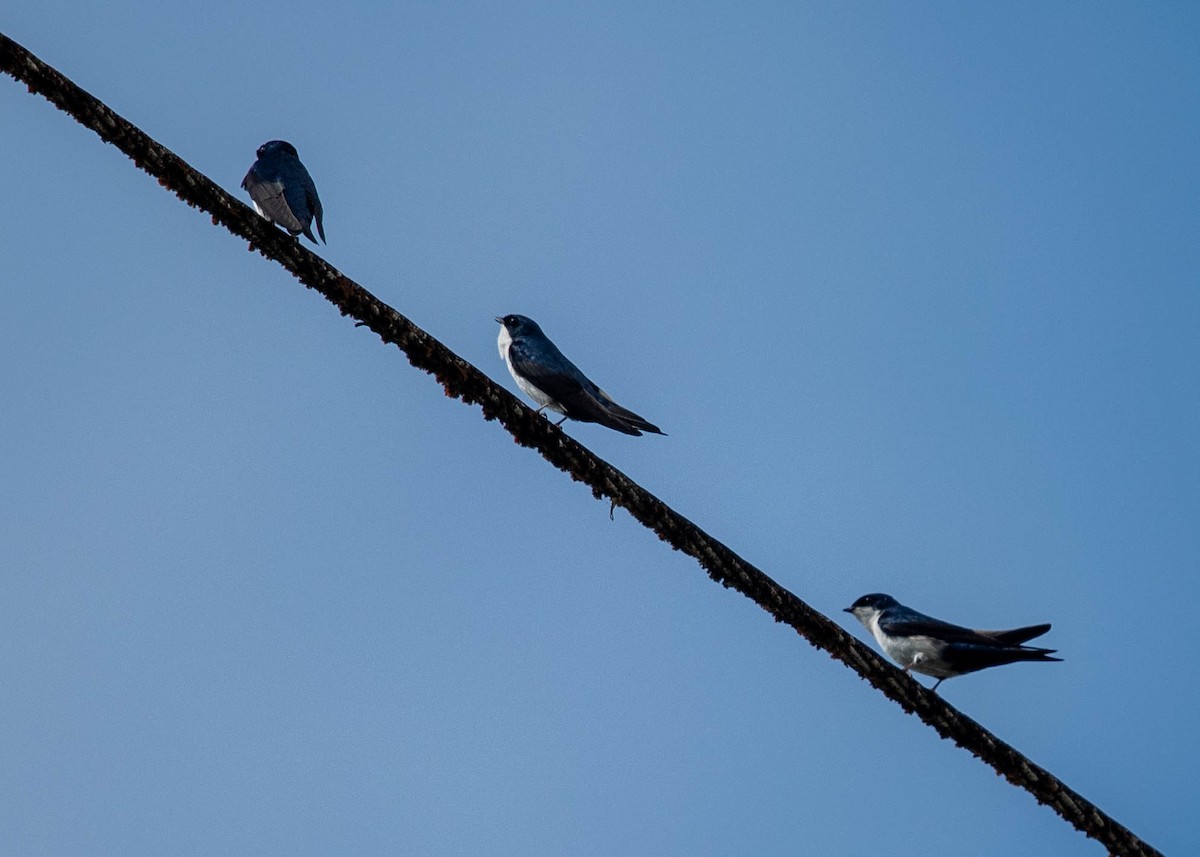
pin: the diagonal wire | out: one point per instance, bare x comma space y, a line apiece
462, 380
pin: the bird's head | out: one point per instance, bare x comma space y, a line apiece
869, 605
519, 325
276, 147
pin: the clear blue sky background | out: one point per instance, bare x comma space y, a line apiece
913, 288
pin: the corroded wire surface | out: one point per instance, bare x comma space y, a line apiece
462, 380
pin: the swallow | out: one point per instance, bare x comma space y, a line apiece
554, 382
935, 648
283, 191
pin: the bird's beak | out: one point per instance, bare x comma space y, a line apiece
847, 609
499, 319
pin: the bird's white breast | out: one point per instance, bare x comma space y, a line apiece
503, 341
920, 654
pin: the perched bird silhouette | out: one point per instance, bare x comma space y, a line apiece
283, 191
935, 648
554, 382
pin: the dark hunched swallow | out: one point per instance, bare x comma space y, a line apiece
283, 191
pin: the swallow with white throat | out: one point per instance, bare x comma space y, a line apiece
929, 646
545, 375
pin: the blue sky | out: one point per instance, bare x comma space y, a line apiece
912, 288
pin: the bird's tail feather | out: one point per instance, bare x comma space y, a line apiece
997, 657
629, 419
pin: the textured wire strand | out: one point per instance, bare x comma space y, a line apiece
462, 380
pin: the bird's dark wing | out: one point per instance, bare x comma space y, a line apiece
302, 198
1017, 636
544, 366
300, 192
546, 369
314, 205
910, 623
